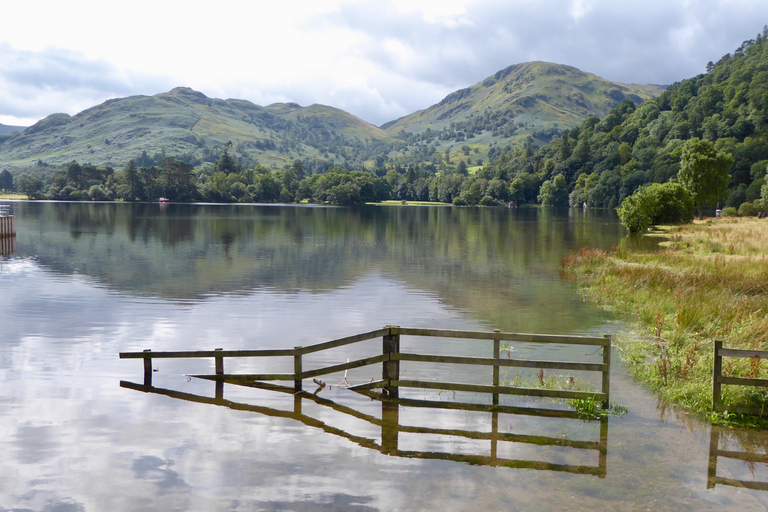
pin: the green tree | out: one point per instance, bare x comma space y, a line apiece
704, 172
226, 163
29, 185
659, 203
554, 192
6, 180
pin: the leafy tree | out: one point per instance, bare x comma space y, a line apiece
554, 192
29, 185
6, 180
704, 172
655, 204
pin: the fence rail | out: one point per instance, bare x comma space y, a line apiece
391, 357
718, 379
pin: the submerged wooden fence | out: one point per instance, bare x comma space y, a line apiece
7, 222
391, 356
387, 428
718, 379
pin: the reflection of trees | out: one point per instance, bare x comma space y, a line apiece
498, 261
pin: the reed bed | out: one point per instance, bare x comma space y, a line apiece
708, 281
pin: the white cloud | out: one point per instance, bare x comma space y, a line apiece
381, 59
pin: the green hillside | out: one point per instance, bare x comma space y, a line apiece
532, 102
194, 128
603, 161
5, 129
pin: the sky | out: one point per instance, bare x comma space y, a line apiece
379, 60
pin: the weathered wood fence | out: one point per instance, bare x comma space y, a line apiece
718, 379
391, 357
7, 222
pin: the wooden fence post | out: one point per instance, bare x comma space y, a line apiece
148, 369
607, 371
219, 374
297, 384
496, 352
390, 370
716, 373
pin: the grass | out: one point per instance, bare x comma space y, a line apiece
709, 281
10, 195
410, 203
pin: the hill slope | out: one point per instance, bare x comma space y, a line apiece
5, 129
533, 98
188, 125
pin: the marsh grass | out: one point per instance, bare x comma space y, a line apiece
709, 281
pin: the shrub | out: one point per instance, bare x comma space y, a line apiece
489, 201
659, 203
729, 211
749, 209
458, 201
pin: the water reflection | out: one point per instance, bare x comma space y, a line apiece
389, 429
492, 261
743, 458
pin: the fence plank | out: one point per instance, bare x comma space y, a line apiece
739, 381
488, 361
479, 388
506, 336
208, 353
345, 366
248, 376
732, 352
345, 341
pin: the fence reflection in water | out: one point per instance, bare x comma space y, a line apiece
738, 462
389, 426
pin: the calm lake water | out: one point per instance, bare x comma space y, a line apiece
88, 281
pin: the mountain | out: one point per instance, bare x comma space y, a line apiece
190, 126
5, 129
534, 98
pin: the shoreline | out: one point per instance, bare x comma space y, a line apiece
708, 281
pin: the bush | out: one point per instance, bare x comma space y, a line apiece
729, 211
489, 201
458, 201
748, 209
659, 203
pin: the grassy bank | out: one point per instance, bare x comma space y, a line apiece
9, 195
709, 281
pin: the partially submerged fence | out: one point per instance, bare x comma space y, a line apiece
7, 222
391, 379
385, 434
718, 379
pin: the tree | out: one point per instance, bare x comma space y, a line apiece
554, 192
29, 185
6, 180
704, 172
226, 163
659, 203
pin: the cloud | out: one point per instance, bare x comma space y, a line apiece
36, 84
377, 60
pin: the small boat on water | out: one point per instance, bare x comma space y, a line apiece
164, 200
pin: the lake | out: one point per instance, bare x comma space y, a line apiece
88, 281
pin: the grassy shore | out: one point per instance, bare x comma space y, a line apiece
708, 282
9, 195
